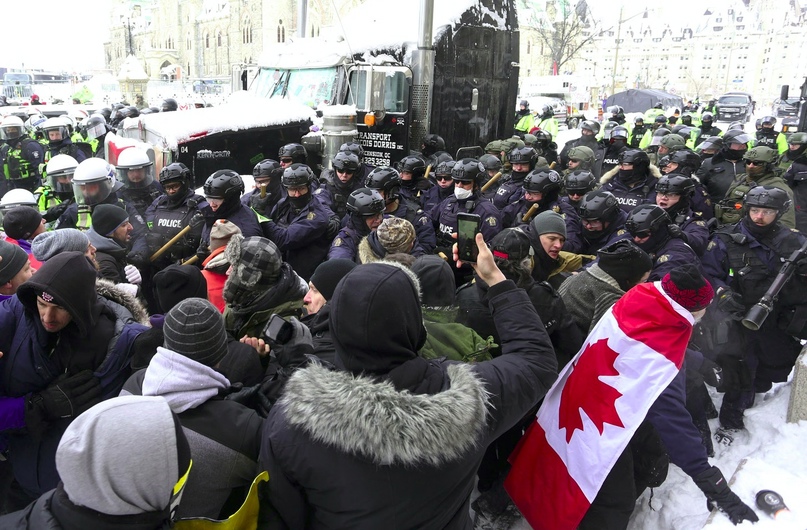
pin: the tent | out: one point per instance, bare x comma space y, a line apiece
641, 99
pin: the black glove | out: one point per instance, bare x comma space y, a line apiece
718, 494
54, 212
138, 259
735, 374
712, 374
731, 303
66, 397
258, 203
250, 397
334, 226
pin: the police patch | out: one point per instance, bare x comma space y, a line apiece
317, 191
711, 245
310, 216
664, 258
337, 242
700, 223
491, 221
621, 232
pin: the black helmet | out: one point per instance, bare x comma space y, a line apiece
661, 119
346, 161
296, 152
106, 112
678, 183
658, 134
524, 103
707, 117
638, 120
619, 132
491, 162
591, 125
444, 169
297, 176
442, 156
542, 181
646, 219
681, 130
637, 157
769, 120
736, 136
414, 164
768, 197
387, 180
713, 142
608, 129
686, 119
95, 127
468, 170
543, 138
354, 148
365, 202
599, 205
130, 112
224, 184
266, 168
617, 111
169, 105
522, 155
580, 181
176, 172
686, 160
433, 143
547, 112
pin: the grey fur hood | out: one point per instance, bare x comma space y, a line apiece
126, 303
654, 172
366, 254
363, 417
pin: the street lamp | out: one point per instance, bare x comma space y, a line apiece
618, 38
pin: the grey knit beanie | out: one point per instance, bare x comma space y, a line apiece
48, 244
195, 329
549, 222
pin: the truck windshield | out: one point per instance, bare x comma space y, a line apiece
311, 86
396, 91
733, 100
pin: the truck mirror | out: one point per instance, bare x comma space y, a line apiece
377, 90
784, 92
475, 99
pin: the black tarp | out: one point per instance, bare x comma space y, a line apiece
641, 99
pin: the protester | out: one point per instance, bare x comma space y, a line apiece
320, 290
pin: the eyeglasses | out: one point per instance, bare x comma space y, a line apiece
443, 177
753, 163
667, 194
766, 212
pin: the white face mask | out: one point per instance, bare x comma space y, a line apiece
462, 193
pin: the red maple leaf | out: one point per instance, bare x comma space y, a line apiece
584, 391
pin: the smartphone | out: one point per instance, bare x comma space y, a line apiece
278, 330
468, 225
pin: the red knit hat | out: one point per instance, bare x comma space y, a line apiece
687, 286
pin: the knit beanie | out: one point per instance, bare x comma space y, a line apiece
328, 273
48, 244
175, 283
195, 329
511, 244
221, 232
21, 221
624, 261
687, 286
548, 222
106, 218
255, 262
437, 281
396, 235
12, 260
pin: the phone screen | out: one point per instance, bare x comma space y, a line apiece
467, 227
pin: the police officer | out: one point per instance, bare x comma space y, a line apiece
724, 167
135, 171
707, 128
365, 213
668, 144
300, 225
338, 183
687, 162
674, 194
524, 121
179, 206
602, 221
589, 130
741, 262
709, 147
268, 190
796, 177
412, 169
56, 195
760, 170
223, 190
541, 193
576, 185
169, 105
611, 150
96, 129
358, 150
292, 154
581, 159
20, 155
617, 114
59, 142
547, 122
545, 147
467, 174
444, 184
431, 145
639, 129
658, 122
387, 182
796, 145
654, 232
522, 160
633, 181
767, 136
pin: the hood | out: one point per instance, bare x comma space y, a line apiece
181, 381
122, 456
119, 297
370, 334
106, 245
436, 280
366, 252
371, 420
69, 278
654, 171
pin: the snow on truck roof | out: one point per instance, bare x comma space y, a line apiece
242, 111
369, 27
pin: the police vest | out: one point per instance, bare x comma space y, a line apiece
45, 198
766, 140
141, 199
168, 222
15, 166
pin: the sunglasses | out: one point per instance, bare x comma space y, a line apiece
443, 177
641, 234
345, 171
286, 160
753, 163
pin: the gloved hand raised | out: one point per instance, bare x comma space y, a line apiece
730, 302
66, 397
132, 275
718, 494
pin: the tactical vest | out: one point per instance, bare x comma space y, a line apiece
168, 222
45, 198
766, 140
141, 199
730, 209
15, 166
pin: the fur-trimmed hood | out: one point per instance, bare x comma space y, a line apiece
653, 169
365, 251
110, 292
361, 416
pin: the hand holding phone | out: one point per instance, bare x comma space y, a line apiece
468, 226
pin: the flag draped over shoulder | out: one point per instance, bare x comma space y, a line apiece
592, 411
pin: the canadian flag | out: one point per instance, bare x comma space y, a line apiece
593, 409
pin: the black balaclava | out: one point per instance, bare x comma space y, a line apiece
228, 207
657, 240
757, 231
733, 154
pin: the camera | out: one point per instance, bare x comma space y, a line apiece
278, 330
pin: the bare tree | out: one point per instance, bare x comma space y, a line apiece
561, 29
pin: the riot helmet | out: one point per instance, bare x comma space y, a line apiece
172, 174
658, 134
135, 170
799, 141
676, 183
619, 134
590, 125
11, 128
706, 120
637, 158
169, 105
582, 155
51, 127
579, 182
547, 182
266, 168
491, 162
366, 207
95, 127
93, 181
224, 185
598, 206
386, 180
547, 112
347, 164
414, 165
469, 170
609, 127
297, 176
543, 139
60, 170
522, 155
292, 154
767, 197
688, 161
433, 143
646, 220
354, 148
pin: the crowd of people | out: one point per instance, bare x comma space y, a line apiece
161, 348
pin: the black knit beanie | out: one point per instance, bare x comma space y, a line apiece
327, 275
21, 221
106, 218
175, 283
625, 262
